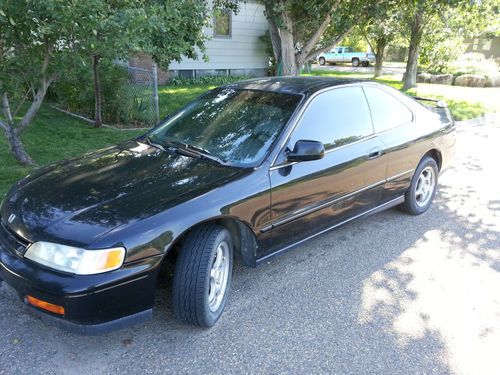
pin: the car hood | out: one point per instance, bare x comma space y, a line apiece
81, 199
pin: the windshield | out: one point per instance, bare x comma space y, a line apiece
236, 126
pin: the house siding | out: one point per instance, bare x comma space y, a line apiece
489, 47
243, 50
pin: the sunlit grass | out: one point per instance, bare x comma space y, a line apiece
173, 98
464, 102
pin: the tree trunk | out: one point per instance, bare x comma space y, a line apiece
273, 33
13, 132
97, 91
379, 57
410, 75
288, 47
16, 146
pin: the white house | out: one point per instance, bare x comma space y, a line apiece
234, 46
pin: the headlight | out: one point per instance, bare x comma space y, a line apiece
75, 260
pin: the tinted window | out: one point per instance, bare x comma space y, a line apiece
238, 126
387, 111
335, 117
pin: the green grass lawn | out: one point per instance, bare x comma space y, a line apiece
173, 98
55, 136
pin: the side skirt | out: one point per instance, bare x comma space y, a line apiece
382, 207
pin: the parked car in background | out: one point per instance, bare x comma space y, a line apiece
346, 55
246, 171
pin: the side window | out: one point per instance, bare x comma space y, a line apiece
387, 111
335, 118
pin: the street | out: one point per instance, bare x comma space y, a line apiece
386, 294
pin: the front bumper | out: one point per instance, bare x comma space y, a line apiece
93, 304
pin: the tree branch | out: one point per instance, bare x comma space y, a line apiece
304, 53
21, 103
46, 60
3, 125
52, 78
39, 94
6, 108
369, 43
329, 47
32, 110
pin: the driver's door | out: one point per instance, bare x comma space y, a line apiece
311, 196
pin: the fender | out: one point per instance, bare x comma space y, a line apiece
157, 233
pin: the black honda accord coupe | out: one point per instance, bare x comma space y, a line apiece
243, 173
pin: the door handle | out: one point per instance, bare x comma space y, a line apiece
374, 153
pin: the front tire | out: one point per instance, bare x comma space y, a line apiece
322, 61
423, 187
365, 63
202, 277
355, 62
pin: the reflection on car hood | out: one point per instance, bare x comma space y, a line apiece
83, 198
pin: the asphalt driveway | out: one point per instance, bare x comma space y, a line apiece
387, 294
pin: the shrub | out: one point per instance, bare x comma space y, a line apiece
438, 54
474, 63
206, 80
121, 103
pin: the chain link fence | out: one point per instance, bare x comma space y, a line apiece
141, 93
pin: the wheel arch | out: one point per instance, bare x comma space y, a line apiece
245, 240
436, 155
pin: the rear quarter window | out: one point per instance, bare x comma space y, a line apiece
335, 118
387, 111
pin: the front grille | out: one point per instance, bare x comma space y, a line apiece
12, 241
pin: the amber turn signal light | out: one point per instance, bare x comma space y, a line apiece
56, 309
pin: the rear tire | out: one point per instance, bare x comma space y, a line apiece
202, 277
423, 187
355, 62
322, 61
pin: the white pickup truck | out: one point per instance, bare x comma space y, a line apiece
346, 55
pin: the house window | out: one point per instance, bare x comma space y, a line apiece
475, 45
486, 44
222, 23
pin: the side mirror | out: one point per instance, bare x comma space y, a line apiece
306, 150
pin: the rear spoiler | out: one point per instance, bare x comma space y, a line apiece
439, 103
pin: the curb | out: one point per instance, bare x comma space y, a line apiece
481, 120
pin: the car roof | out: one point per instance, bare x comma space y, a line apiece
292, 85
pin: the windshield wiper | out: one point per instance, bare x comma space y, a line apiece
191, 150
154, 144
